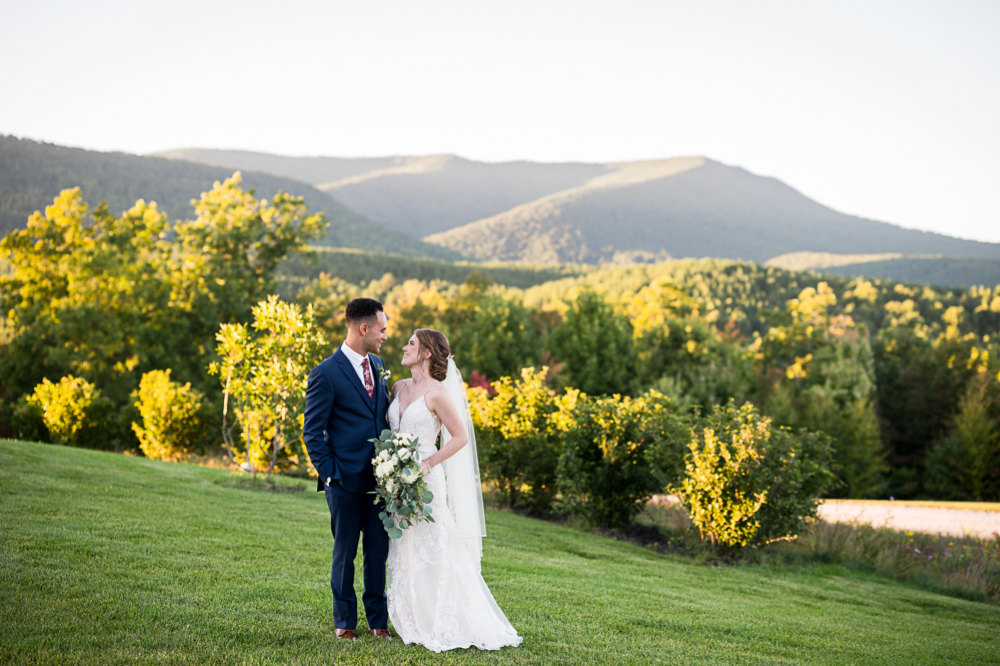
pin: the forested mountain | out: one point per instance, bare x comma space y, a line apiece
680, 207
418, 196
32, 173
943, 271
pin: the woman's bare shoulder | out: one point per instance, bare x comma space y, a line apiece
400, 385
435, 394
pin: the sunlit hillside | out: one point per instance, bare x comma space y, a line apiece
32, 173
594, 213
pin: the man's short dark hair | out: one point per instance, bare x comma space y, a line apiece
362, 309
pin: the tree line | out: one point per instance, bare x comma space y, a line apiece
107, 317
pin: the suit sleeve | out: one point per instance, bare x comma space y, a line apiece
319, 404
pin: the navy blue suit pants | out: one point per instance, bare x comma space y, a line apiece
351, 515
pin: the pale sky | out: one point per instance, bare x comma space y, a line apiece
885, 109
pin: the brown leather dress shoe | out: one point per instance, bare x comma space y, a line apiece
384, 634
346, 634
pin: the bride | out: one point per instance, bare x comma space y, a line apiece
437, 595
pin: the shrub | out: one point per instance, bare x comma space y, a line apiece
606, 472
72, 410
171, 428
518, 433
28, 422
746, 483
796, 470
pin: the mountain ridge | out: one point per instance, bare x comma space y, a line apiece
576, 212
33, 172
705, 209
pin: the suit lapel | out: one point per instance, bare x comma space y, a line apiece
352, 377
377, 372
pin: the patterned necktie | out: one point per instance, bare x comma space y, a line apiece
369, 384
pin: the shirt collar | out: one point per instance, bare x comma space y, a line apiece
354, 357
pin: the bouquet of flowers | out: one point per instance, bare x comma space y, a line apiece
399, 483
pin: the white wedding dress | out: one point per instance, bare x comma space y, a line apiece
437, 595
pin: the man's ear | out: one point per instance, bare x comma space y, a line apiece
363, 328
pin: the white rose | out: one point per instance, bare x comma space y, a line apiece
404, 454
384, 455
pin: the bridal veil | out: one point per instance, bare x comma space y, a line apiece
465, 490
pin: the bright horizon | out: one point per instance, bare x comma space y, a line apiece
885, 110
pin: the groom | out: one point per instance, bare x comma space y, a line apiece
346, 403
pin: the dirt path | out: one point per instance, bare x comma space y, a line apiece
952, 522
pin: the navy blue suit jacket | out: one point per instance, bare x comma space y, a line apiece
340, 419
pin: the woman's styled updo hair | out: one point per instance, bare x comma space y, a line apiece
437, 344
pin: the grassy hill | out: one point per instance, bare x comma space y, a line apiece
109, 559
593, 213
32, 173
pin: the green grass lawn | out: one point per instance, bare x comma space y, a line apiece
110, 559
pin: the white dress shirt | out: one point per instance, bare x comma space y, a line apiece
356, 359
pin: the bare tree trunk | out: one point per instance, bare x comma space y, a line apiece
253, 469
227, 432
275, 446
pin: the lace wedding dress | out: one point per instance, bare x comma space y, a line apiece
437, 595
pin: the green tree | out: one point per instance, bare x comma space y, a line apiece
499, 338
979, 439
107, 298
818, 374
594, 344
228, 254
264, 375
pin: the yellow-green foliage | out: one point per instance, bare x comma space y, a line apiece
65, 406
264, 374
90, 294
519, 431
718, 488
746, 482
170, 427
606, 470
